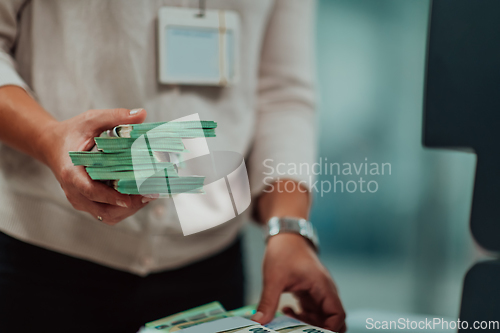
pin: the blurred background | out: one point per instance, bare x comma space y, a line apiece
406, 248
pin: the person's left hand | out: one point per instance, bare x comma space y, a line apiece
291, 265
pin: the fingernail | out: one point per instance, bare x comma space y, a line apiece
121, 203
147, 199
257, 316
135, 111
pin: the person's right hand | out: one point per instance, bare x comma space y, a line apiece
85, 194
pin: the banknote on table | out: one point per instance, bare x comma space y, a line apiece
286, 324
221, 323
200, 312
245, 312
198, 320
200, 317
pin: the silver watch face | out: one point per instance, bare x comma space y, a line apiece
299, 226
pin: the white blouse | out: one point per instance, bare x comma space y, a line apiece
94, 54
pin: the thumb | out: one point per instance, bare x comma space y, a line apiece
101, 120
268, 303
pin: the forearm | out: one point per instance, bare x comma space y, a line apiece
278, 201
23, 121
292, 265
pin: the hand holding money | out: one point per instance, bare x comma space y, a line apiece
85, 194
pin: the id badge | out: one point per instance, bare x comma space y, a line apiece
198, 50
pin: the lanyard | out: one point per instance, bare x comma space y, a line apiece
202, 5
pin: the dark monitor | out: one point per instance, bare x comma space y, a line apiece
462, 111
462, 99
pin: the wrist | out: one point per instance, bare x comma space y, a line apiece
277, 201
288, 246
46, 141
23, 122
294, 240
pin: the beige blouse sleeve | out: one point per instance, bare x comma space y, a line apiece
9, 10
285, 129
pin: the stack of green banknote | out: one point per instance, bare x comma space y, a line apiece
142, 158
213, 318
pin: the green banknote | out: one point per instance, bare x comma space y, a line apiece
157, 166
156, 144
130, 175
123, 163
200, 312
250, 329
177, 181
222, 323
280, 324
204, 316
285, 324
132, 189
304, 329
136, 130
190, 184
100, 159
166, 134
185, 133
245, 312
198, 322
198, 316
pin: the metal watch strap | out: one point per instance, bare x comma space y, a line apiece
303, 227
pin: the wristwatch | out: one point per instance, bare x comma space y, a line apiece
277, 225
